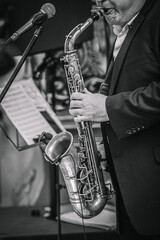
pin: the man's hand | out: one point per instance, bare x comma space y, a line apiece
88, 107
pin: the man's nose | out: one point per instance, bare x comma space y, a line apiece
101, 3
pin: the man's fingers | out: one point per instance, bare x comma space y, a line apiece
76, 112
76, 96
75, 104
80, 119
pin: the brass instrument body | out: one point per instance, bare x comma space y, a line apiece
81, 172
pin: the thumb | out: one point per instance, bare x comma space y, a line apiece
86, 91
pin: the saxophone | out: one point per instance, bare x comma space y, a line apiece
81, 171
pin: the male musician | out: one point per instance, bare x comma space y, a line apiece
129, 112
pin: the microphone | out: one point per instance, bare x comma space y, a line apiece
47, 11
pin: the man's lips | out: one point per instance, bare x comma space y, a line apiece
108, 11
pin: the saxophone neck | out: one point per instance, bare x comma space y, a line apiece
80, 28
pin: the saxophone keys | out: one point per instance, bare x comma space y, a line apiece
83, 174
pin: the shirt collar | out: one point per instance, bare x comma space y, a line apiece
118, 30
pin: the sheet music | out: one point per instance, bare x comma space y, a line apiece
21, 105
39, 101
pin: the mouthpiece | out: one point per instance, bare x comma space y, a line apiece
97, 13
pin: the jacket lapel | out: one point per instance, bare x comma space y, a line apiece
122, 53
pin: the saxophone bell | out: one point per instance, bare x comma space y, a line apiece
85, 196
52, 147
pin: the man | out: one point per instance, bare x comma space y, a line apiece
129, 112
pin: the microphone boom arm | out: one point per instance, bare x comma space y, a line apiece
22, 60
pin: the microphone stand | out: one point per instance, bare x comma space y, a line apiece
22, 60
58, 186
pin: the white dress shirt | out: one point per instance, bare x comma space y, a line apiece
121, 34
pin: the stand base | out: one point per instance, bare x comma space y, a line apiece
23, 223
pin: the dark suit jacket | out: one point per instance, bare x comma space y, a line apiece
133, 106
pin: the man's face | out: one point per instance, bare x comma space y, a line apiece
119, 12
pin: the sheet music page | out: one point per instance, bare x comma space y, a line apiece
39, 101
24, 114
